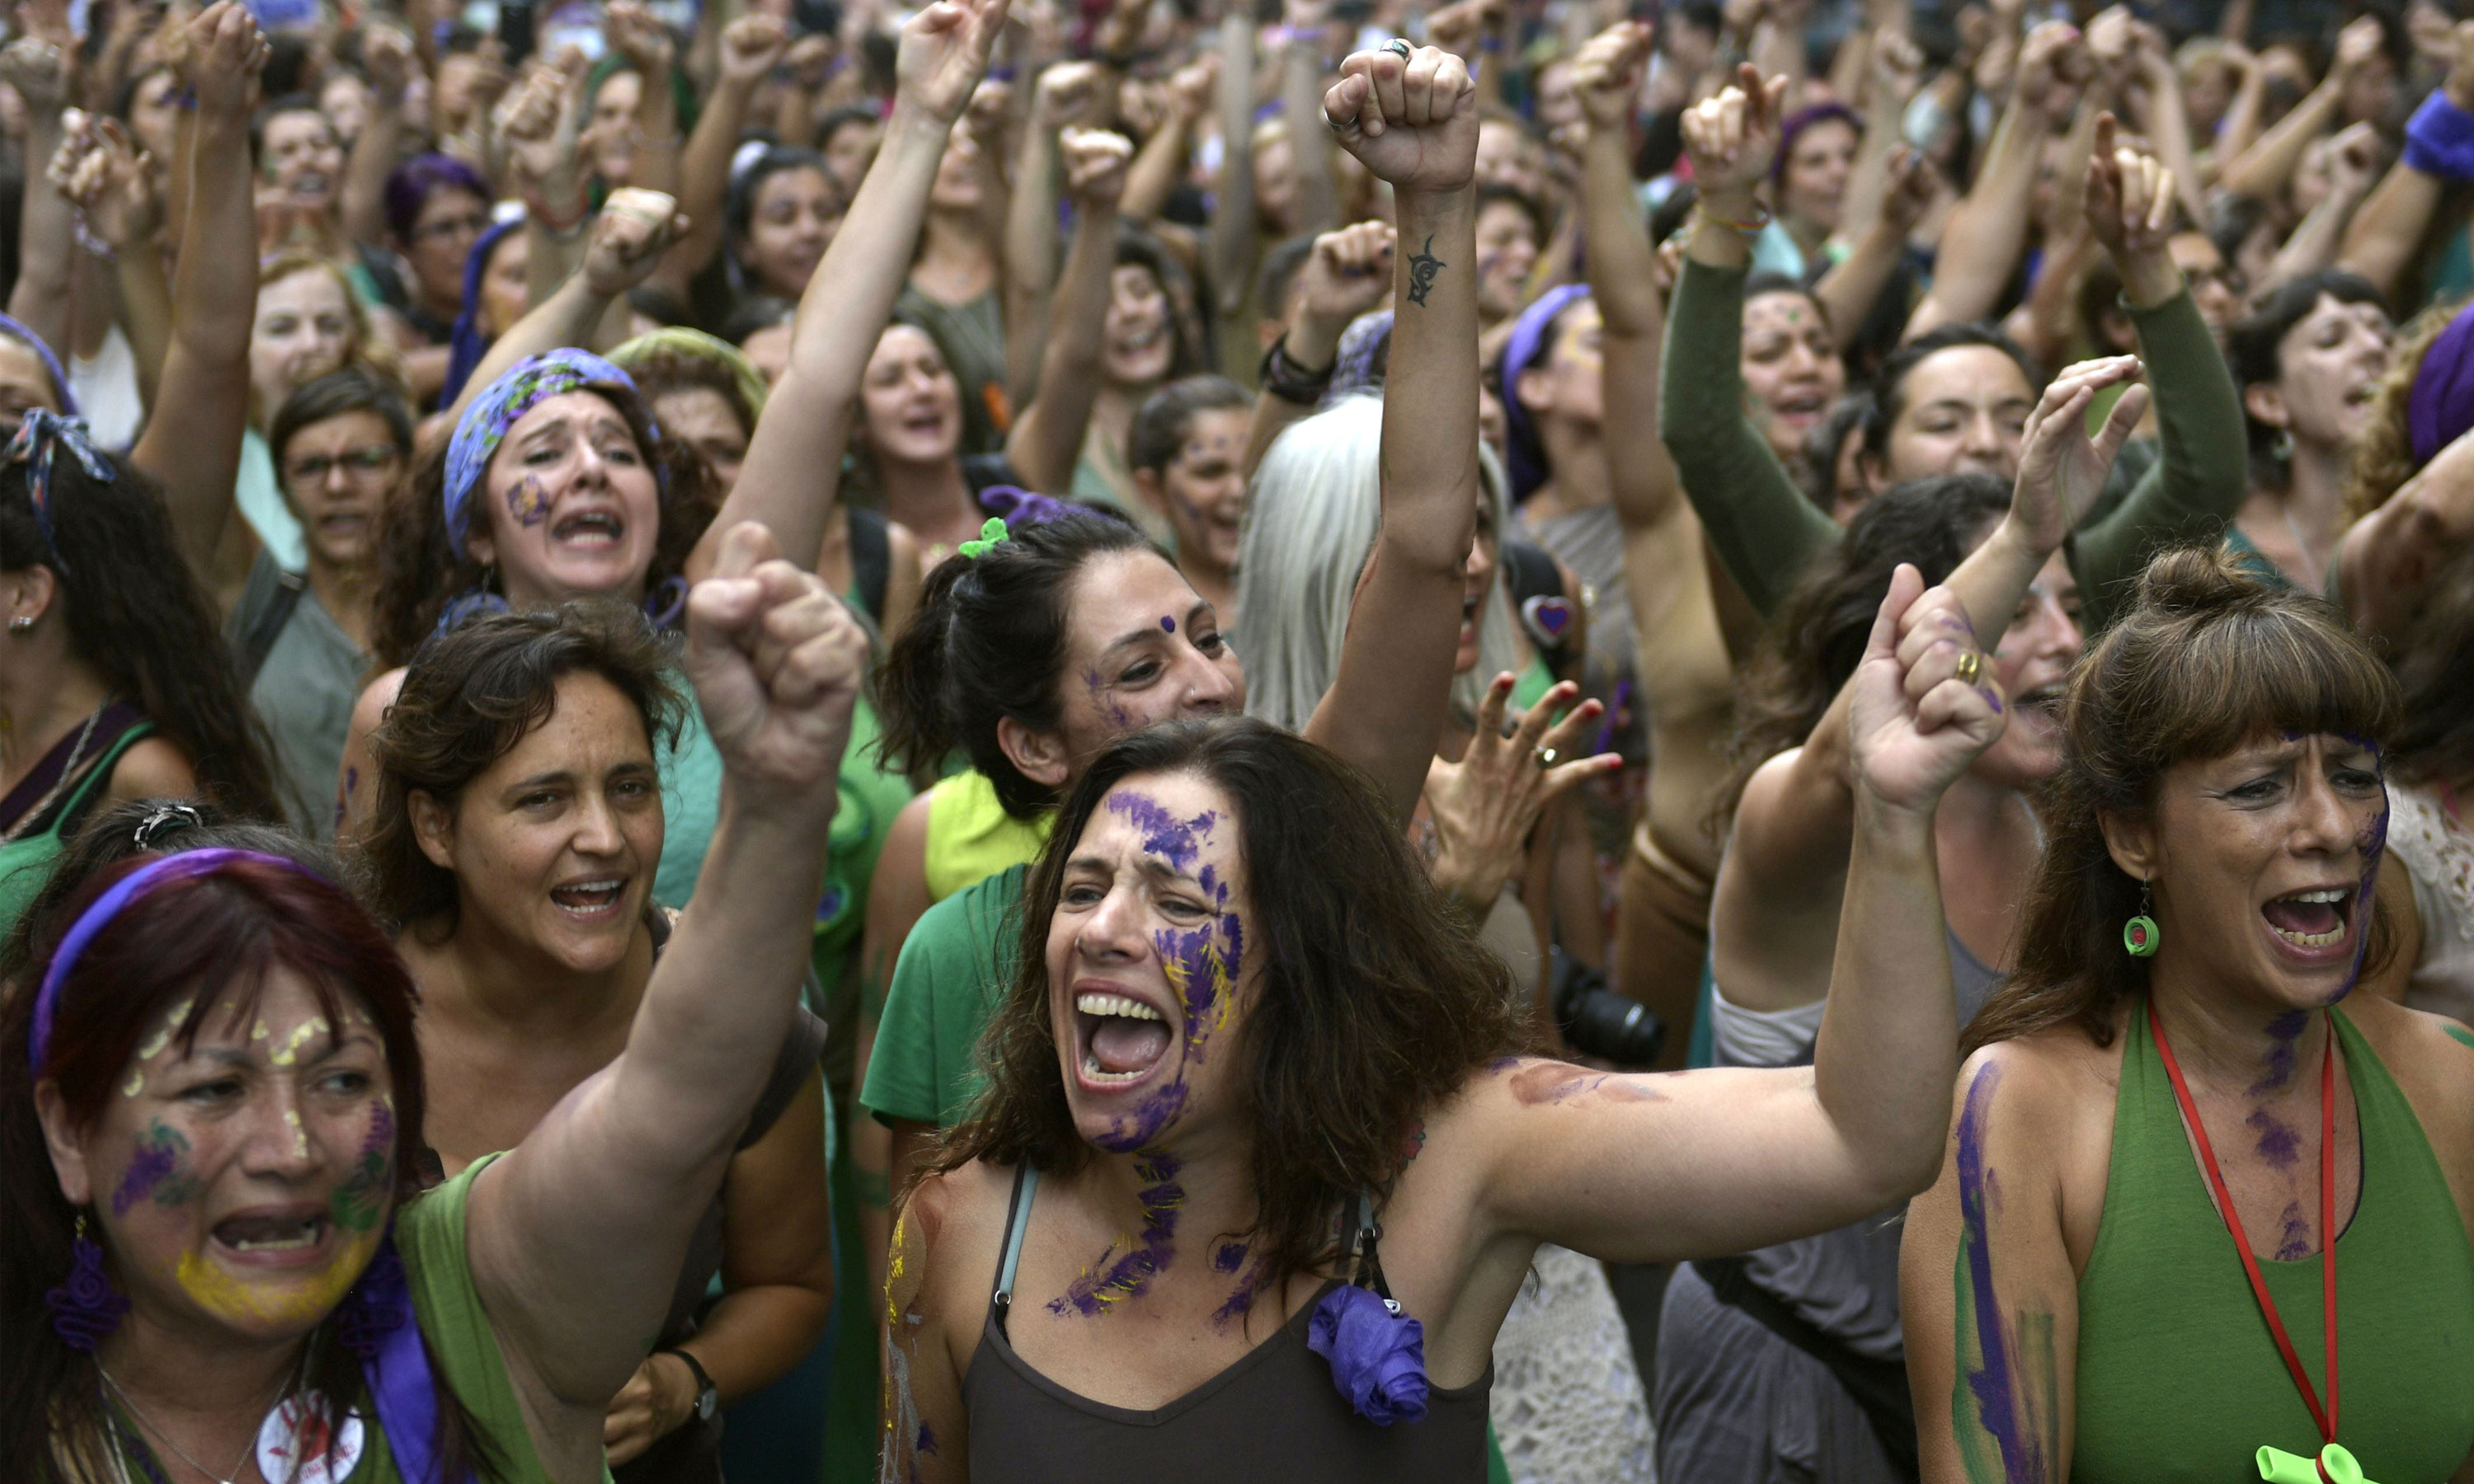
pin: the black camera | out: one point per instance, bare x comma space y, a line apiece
1598, 1021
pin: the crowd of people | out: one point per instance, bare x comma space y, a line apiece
1533, 740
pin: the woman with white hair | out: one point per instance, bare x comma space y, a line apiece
1567, 1400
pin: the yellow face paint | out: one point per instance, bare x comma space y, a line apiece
289, 1052
300, 1134
135, 1084
258, 1032
172, 1022
292, 1299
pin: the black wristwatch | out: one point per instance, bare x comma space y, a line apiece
708, 1396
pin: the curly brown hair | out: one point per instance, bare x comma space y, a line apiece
2383, 458
419, 575
2207, 659
470, 695
1374, 1002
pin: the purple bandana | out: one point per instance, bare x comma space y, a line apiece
1529, 332
51, 363
2441, 405
533, 381
41, 433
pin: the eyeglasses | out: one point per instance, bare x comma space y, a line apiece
470, 226
355, 462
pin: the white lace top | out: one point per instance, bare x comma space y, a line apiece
2438, 854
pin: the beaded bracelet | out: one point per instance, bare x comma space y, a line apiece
1751, 228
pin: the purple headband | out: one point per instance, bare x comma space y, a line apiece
1020, 507
1803, 119
375, 1320
2441, 405
41, 433
1527, 461
51, 363
533, 381
466, 344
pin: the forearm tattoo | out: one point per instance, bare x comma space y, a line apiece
1424, 268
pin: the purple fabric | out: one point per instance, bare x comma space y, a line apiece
466, 344
1527, 464
2440, 139
86, 1307
375, 1324
2442, 404
1365, 343
529, 382
100, 913
1803, 119
1020, 507
51, 363
1378, 1358
40, 435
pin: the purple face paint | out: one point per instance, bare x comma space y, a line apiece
2373, 842
1997, 1401
1126, 1270
1228, 1257
2278, 1142
1109, 711
361, 1199
1167, 625
528, 502
1177, 841
155, 1173
1153, 1114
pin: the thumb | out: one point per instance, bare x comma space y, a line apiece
744, 547
1906, 585
2128, 410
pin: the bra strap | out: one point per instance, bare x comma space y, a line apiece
1026, 1185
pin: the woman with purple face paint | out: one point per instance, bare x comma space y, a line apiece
2193, 1088
1219, 1077
211, 1097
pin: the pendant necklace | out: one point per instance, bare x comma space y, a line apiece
226, 1477
2334, 1465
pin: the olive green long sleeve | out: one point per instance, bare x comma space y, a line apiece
2199, 479
1762, 528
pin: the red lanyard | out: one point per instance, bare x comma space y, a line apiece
2327, 1419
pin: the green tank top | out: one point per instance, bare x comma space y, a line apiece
2179, 1378
26, 864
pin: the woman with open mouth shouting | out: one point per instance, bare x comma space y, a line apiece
216, 1260
1247, 1043
2194, 1095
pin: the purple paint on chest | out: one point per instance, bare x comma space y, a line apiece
2279, 1145
2294, 1238
2277, 1066
1118, 1278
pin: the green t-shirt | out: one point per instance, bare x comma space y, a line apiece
954, 967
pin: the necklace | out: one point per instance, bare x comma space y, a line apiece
69, 772
2334, 1460
226, 1477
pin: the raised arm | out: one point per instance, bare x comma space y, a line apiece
2389, 557
2202, 476
1232, 218
193, 434
1650, 1168
2260, 171
575, 1237
112, 184
1986, 233
1413, 123
1046, 441
387, 56
2387, 232
1760, 525
1301, 88
1161, 163
625, 246
1064, 95
645, 41
39, 71
1851, 286
1346, 274
2353, 159
789, 481
750, 46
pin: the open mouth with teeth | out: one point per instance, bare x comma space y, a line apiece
590, 528
272, 1235
1122, 1040
2313, 922
591, 899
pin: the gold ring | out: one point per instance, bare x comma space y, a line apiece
1971, 665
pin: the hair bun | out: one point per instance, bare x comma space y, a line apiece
2198, 580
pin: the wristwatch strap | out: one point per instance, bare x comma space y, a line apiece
707, 1395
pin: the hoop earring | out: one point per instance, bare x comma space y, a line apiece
2139, 935
2282, 449
86, 1307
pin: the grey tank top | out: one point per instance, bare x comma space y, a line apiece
1845, 1283
1274, 1414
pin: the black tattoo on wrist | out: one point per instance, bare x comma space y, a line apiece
1424, 268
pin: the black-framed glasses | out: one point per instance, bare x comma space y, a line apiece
355, 462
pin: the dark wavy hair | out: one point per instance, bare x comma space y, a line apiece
1821, 630
1160, 423
470, 695
211, 940
1890, 382
988, 643
2252, 341
1374, 1002
353, 389
2207, 659
418, 575
138, 618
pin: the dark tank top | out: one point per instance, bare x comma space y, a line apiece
1274, 1414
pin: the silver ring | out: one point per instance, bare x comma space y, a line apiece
1333, 124
1545, 756
1399, 48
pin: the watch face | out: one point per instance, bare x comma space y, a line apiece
705, 1400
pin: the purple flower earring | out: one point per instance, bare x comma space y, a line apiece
86, 1307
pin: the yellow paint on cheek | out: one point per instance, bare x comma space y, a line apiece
292, 1299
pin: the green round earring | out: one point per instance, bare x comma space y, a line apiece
2139, 935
